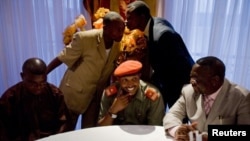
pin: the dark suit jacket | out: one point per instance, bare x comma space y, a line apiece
169, 59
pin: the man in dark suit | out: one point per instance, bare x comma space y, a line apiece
169, 58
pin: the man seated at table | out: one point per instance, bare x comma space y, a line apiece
209, 99
131, 101
32, 108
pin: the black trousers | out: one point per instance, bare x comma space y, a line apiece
89, 117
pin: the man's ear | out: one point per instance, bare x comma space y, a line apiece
216, 80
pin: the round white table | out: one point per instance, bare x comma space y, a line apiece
113, 133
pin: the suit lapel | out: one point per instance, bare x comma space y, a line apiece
101, 46
110, 60
113, 54
218, 103
151, 32
199, 105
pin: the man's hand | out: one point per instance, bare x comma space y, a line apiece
120, 103
181, 133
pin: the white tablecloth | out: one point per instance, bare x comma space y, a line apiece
113, 133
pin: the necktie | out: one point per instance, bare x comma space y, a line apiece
207, 104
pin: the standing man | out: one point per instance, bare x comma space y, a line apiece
90, 60
168, 55
131, 100
32, 108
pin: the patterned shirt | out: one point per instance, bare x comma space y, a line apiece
27, 116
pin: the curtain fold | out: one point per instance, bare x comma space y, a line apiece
215, 27
33, 28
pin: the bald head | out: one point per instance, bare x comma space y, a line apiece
34, 66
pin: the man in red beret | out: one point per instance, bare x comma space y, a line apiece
131, 100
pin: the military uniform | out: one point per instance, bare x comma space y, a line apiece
144, 108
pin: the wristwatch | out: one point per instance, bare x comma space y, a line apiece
112, 115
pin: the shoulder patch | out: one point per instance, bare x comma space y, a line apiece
111, 90
151, 93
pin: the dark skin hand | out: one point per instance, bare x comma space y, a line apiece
181, 133
120, 103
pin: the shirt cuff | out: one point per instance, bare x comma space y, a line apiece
172, 130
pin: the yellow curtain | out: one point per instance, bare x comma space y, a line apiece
114, 5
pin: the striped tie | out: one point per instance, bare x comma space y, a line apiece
207, 103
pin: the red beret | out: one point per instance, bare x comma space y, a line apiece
127, 68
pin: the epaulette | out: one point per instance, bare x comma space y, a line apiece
111, 90
151, 93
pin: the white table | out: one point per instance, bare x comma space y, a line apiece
113, 133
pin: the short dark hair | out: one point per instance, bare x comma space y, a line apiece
214, 64
111, 16
34, 66
139, 7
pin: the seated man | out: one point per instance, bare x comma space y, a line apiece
209, 99
131, 100
2, 131
33, 108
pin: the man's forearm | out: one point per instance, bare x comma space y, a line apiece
53, 64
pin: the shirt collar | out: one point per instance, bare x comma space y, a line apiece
214, 95
146, 30
140, 93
